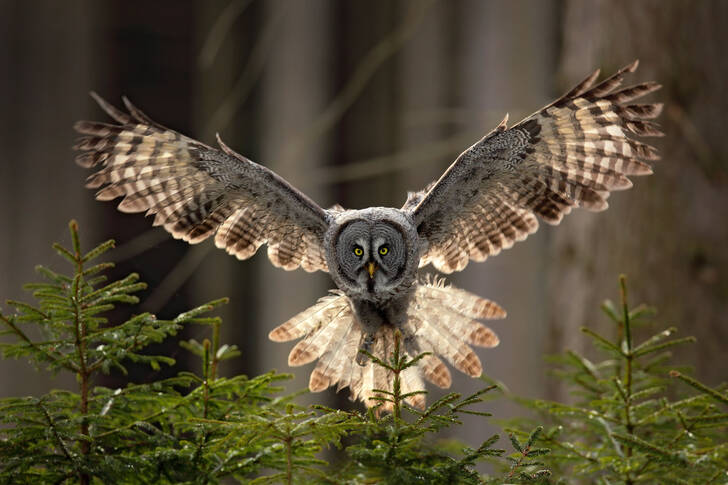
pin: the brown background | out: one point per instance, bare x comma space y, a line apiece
355, 102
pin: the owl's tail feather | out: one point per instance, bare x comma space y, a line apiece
441, 321
457, 300
311, 319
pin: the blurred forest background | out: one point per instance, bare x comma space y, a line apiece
356, 102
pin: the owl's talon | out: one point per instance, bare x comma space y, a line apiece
361, 358
365, 345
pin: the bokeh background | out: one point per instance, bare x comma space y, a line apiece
356, 102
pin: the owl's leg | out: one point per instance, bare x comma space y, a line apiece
411, 345
365, 344
373, 315
370, 317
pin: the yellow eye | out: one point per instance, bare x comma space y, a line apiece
358, 251
383, 250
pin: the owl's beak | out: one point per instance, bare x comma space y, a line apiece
371, 268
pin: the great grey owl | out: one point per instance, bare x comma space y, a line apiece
571, 153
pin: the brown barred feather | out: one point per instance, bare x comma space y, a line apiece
640, 111
303, 323
195, 191
632, 92
436, 372
580, 88
572, 153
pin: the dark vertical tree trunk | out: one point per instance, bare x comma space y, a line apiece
667, 232
45, 51
227, 102
504, 63
143, 53
368, 127
295, 92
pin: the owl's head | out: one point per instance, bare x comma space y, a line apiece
372, 253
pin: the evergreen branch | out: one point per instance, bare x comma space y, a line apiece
75, 240
629, 357
641, 311
608, 308
52, 275
36, 313
558, 408
722, 398
606, 343
717, 418
190, 315
650, 391
584, 363
715, 476
54, 358
64, 253
657, 451
621, 389
594, 388
516, 445
80, 331
525, 453
626, 321
98, 251
149, 417
571, 448
668, 407
98, 268
126, 285
663, 346
656, 338
56, 435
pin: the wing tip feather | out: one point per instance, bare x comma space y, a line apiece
111, 110
631, 67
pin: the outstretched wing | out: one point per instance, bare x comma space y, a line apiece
571, 153
195, 191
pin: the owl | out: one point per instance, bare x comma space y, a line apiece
572, 153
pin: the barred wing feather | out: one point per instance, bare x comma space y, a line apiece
572, 153
195, 191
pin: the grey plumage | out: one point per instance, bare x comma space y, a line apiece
571, 153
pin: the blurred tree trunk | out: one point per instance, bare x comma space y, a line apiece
661, 232
295, 91
225, 101
142, 52
44, 51
503, 62
511, 72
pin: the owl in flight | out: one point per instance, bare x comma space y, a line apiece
571, 153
